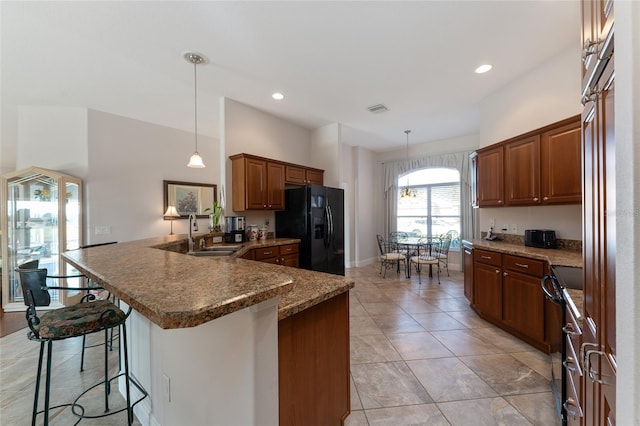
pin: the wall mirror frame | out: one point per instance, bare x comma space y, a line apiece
189, 197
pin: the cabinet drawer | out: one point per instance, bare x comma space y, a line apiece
488, 257
295, 175
288, 249
524, 265
266, 253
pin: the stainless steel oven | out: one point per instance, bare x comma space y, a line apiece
563, 359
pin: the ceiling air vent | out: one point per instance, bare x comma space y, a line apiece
378, 108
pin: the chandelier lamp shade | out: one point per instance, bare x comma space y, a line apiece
196, 160
406, 191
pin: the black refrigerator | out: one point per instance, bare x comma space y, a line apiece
315, 215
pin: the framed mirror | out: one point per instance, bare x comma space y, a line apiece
189, 197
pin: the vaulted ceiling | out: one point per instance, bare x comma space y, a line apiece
332, 60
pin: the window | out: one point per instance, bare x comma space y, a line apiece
435, 209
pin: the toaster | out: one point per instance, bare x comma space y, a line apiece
541, 238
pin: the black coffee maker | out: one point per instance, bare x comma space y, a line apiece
235, 229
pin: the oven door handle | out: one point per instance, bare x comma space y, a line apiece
556, 296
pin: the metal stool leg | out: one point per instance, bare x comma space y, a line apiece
126, 374
47, 392
37, 393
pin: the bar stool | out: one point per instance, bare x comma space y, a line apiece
84, 318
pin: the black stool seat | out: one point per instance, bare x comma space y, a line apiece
80, 319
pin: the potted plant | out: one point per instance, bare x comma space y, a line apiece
215, 213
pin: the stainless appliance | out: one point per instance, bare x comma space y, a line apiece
554, 286
235, 229
541, 238
315, 215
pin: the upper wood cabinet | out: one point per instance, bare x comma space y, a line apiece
561, 165
258, 183
299, 175
522, 171
488, 176
538, 168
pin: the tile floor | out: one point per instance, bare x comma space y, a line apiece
419, 355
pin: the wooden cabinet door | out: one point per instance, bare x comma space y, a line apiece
561, 165
315, 177
467, 254
487, 281
256, 183
522, 172
296, 175
489, 175
599, 248
275, 186
523, 304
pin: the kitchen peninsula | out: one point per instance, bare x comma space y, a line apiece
212, 337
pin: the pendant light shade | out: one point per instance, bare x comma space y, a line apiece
196, 160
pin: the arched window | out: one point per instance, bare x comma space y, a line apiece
431, 206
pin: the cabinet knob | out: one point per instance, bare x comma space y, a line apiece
264, 206
536, 199
497, 271
499, 201
505, 274
545, 198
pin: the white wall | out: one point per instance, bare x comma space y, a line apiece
325, 153
249, 130
445, 146
549, 93
54, 138
627, 134
128, 160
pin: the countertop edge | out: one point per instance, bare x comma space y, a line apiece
558, 257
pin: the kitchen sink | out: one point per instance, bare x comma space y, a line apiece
219, 250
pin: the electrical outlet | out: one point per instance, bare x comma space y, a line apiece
514, 228
103, 230
166, 387
217, 240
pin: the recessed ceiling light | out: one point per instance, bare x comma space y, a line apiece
483, 68
278, 96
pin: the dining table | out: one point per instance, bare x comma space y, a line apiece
413, 246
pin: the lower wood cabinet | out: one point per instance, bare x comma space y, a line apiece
313, 364
286, 255
507, 293
467, 256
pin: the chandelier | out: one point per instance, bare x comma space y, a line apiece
406, 191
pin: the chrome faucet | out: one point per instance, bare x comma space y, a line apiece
193, 226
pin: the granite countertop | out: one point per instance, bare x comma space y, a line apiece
558, 257
175, 290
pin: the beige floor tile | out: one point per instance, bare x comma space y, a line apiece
448, 379
423, 414
421, 345
362, 326
503, 340
355, 398
382, 308
402, 323
536, 360
435, 321
538, 408
506, 375
482, 412
464, 342
372, 348
387, 384
356, 418
470, 319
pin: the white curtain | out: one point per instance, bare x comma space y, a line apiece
460, 161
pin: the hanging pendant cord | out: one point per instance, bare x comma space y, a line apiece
195, 97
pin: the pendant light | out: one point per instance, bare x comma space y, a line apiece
195, 161
406, 191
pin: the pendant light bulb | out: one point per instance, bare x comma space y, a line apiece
196, 160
